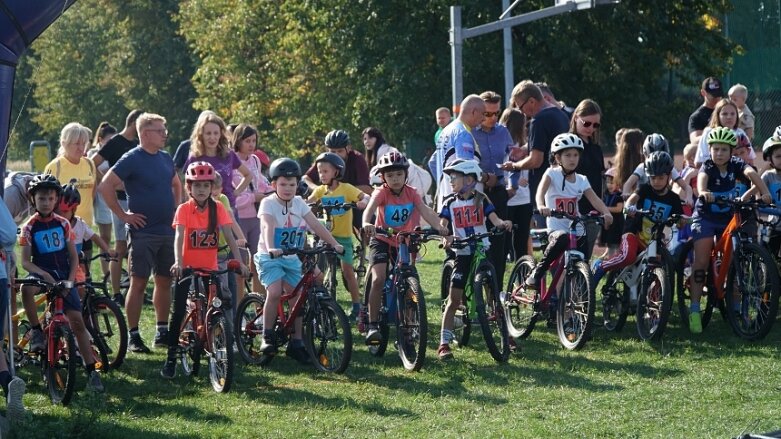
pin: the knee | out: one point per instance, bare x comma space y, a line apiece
698, 276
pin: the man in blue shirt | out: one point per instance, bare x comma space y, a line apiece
495, 143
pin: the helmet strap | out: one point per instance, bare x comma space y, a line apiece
565, 174
467, 188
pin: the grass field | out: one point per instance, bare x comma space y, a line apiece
712, 385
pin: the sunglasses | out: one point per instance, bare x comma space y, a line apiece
490, 113
587, 124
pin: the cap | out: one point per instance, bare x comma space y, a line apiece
712, 86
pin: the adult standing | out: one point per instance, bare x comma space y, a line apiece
100, 212
153, 190
519, 208
375, 146
111, 152
456, 142
495, 142
711, 92
548, 95
585, 123
71, 164
443, 118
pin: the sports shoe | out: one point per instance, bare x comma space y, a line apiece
119, 300
169, 369
94, 383
444, 352
15, 405
695, 322
299, 354
373, 336
136, 344
161, 338
597, 271
531, 282
267, 347
37, 343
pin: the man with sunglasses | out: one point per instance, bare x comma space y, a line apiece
495, 143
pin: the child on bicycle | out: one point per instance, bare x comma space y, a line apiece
657, 142
717, 178
611, 238
49, 254
467, 210
771, 152
198, 222
654, 196
561, 189
330, 169
284, 218
397, 206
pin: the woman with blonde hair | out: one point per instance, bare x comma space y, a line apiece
71, 163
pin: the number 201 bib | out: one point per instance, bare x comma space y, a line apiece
289, 237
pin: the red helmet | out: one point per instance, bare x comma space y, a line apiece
70, 198
199, 171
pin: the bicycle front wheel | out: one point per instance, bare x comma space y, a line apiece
376, 350
59, 372
462, 323
615, 303
108, 328
412, 327
220, 338
327, 336
653, 304
752, 292
520, 303
490, 312
249, 329
576, 307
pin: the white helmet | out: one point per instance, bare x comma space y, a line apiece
465, 167
565, 141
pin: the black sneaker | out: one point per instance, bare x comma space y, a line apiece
136, 344
161, 338
169, 369
299, 354
119, 300
267, 347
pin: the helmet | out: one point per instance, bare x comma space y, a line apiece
284, 167
655, 142
770, 145
658, 163
466, 167
722, 135
70, 198
337, 139
333, 159
43, 181
392, 161
565, 141
199, 171
611, 172
742, 140
777, 132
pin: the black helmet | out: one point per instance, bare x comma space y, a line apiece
43, 181
658, 163
284, 167
655, 142
337, 139
334, 159
71, 197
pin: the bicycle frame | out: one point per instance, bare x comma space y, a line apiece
726, 244
200, 299
302, 290
560, 264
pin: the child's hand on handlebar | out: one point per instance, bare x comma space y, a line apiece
544, 211
244, 270
176, 270
339, 248
447, 241
369, 230
766, 198
508, 225
275, 252
241, 243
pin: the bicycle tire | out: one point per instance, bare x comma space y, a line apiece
520, 304
327, 336
615, 303
576, 307
359, 265
108, 328
190, 347
220, 357
329, 274
752, 317
654, 302
61, 378
462, 324
490, 312
249, 329
684, 257
412, 327
376, 350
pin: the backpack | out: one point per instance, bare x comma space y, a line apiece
15, 195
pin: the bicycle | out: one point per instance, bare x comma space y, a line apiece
575, 309
206, 329
326, 330
481, 301
646, 282
403, 303
743, 279
58, 358
329, 263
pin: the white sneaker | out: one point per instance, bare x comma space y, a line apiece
15, 407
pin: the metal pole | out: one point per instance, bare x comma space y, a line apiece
508, 57
456, 61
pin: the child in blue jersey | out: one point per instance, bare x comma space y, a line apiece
466, 210
49, 253
717, 178
771, 152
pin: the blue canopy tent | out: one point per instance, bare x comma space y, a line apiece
21, 22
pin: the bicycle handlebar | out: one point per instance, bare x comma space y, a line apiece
736, 202
322, 249
589, 217
233, 266
43, 285
426, 235
463, 242
669, 221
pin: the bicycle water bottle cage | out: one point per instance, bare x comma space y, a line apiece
320, 292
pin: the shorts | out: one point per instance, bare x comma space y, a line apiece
149, 253
703, 227
100, 211
461, 271
284, 268
380, 252
71, 300
347, 243
251, 229
120, 228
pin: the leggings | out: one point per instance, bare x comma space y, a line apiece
181, 291
627, 253
521, 217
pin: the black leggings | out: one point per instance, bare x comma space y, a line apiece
521, 217
558, 241
181, 291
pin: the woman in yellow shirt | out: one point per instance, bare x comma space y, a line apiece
71, 163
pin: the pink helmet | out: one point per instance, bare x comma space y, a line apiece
199, 171
611, 172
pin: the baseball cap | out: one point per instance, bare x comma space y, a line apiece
712, 86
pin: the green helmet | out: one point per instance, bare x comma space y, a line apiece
722, 135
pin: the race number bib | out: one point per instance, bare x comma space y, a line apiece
775, 192
566, 204
715, 208
659, 211
289, 237
467, 216
330, 201
50, 240
397, 215
199, 239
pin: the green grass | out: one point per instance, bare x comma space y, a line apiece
705, 386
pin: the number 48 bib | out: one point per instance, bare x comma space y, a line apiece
397, 215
